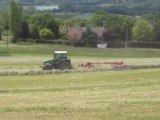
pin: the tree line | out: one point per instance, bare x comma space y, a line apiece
47, 26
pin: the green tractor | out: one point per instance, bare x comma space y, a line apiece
60, 61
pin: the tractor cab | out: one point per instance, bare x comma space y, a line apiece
60, 55
60, 61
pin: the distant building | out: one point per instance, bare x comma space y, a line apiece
75, 33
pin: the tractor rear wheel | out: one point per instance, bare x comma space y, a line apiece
47, 66
64, 65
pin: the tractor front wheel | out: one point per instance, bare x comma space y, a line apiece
64, 65
47, 67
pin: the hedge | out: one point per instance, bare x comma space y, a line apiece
144, 44
113, 44
134, 44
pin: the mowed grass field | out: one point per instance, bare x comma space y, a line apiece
100, 95
32, 56
112, 95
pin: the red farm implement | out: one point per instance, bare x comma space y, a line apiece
112, 64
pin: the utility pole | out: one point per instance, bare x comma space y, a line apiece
103, 30
126, 43
7, 29
7, 38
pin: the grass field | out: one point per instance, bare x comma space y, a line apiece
44, 50
100, 95
32, 56
122, 95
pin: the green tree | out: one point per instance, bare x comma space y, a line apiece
154, 19
34, 32
37, 19
116, 24
100, 18
15, 20
3, 22
142, 31
1, 30
52, 24
89, 38
106, 19
25, 30
46, 21
156, 31
46, 34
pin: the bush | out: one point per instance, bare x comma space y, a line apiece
46, 34
116, 44
25, 41
68, 43
1, 33
78, 44
144, 44
45, 41
34, 32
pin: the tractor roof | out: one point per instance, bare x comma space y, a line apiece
57, 52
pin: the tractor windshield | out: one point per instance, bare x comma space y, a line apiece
59, 56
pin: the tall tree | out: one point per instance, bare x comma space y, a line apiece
142, 31
53, 26
25, 33
89, 38
154, 19
105, 19
34, 31
15, 20
46, 21
156, 31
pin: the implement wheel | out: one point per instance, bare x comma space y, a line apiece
47, 66
64, 65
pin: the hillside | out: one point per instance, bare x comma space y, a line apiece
135, 2
129, 7
88, 2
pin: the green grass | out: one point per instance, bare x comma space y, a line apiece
30, 57
73, 51
122, 95
110, 95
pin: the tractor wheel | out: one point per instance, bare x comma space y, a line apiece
47, 67
64, 65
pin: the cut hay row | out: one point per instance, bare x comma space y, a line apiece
47, 72
79, 70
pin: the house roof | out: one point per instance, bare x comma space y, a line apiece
79, 30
